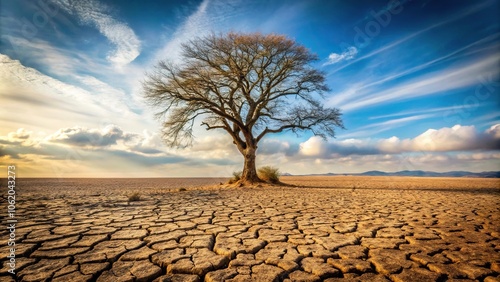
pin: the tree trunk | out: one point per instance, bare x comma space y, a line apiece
249, 174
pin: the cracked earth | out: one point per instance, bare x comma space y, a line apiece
333, 229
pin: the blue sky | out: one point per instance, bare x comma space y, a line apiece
417, 82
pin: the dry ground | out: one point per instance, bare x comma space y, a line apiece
325, 228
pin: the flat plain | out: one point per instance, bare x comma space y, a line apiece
332, 228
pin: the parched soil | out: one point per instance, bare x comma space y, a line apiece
321, 229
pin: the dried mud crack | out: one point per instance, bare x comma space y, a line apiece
259, 234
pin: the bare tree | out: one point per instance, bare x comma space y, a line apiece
249, 85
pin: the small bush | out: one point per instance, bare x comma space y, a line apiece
182, 189
236, 177
134, 197
269, 174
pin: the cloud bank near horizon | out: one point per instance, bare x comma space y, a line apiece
456, 138
77, 144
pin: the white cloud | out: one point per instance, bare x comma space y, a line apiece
274, 147
494, 131
445, 149
314, 147
347, 55
456, 138
20, 134
429, 161
479, 156
445, 139
84, 137
215, 145
109, 137
92, 12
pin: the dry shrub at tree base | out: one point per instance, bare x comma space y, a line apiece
266, 173
134, 197
269, 174
236, 177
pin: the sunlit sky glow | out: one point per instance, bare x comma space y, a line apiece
417, 82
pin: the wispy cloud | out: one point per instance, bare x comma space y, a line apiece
379, 127
450, 78
195, 25
77, 136
382, 49
51, 99
94, 13
347, 55
403, 40
449, 56
80, 69
210, 16
361, 88
426, 111
487, 119
55, 60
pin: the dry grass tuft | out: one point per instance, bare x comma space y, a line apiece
134, 197
269, 174
236, 177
